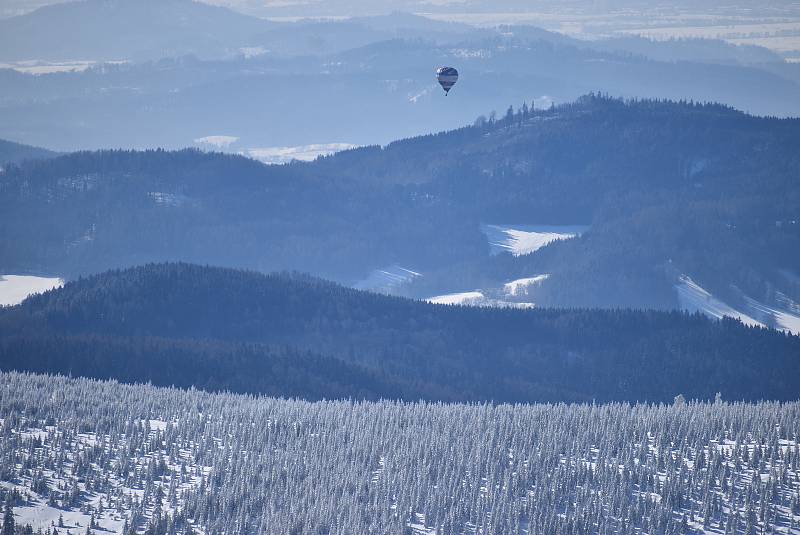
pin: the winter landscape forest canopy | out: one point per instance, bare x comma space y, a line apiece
411, 267
171, 461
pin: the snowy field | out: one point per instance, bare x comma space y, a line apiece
693, 298
513, 294
218, 142
15, 288
161, 460
303, 153
387, 279
463, 298
523, 286
525, 239
785, 316
39, 67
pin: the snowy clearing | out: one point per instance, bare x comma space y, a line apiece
521, 286
476, 299
693, 298
41, 67
784, 318
216, 142
463, 298
303, 153
387, 279
525, 239
15, 288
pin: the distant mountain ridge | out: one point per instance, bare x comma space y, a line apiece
185, 324
243, 73
125, 30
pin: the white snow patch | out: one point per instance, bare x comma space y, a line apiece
783, 318
693, 298
463, 298
39, 67
476, 299
304, 153
158, 425
216, 142
15, 288
387, 279
524, 239
520, 286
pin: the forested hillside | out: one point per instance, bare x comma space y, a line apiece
100, 457
11, 152
180, 324
666, 189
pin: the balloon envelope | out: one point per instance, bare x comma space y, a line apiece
447, 77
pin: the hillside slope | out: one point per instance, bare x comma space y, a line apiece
416, 349
11, 152
666, 190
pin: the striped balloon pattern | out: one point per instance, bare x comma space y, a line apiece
447, 77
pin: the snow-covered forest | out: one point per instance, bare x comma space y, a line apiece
84, 456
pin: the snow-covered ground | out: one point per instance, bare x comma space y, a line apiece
477, 299
305, 153
38, 67
150, 456
216, 142
525, 239
387, 279
521, 286
462, 298
15, 288
514, 294
784, 316
693, 298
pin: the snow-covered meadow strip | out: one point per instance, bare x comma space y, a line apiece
15, 288
693, 298
520, 286
525, 239
463, 298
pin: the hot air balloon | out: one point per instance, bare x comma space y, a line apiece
447, 77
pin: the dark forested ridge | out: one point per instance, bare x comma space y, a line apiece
11, 152
667, 189
380, 345
209, 365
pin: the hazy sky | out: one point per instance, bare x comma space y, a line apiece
311, 8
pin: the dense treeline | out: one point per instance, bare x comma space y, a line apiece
416, 349
668, 188
126, 459
208, 365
